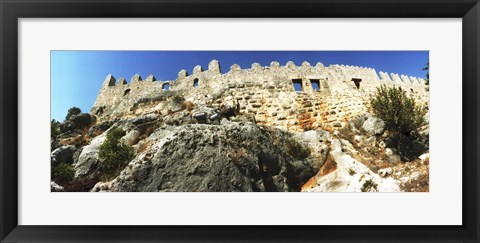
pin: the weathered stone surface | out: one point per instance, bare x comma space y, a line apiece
182, 74
150, 78
132, 137
351, 175
88, 159
385, 172
136, 78
77, 121
235, 67
54, 187
109, 80
214, 67
336, 92
63, 154
121, 81
213, 158
197, 69
99, 128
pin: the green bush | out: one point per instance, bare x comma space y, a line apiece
114, 153
368, 185
399, 112
63, 173
72, 111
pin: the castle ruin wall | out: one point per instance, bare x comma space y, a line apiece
329, 97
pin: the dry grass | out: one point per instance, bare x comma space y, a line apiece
143, 146
237, 155
420, 184
188, 106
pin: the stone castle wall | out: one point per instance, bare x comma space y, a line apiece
330, 95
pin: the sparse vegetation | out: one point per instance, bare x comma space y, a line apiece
178, 99
54, 128
368, 185
419, 184
73, 111
82, 184
399, 112
114, 153
351, 171
296, 150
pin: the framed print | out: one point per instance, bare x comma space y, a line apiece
239, 121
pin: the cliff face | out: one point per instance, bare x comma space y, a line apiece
229, 157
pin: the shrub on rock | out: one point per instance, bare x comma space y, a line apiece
63, 173
73, 111
399, 112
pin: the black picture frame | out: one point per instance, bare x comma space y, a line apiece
12, 10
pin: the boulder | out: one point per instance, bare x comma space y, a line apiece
77, 121
63, 154
385, 172
54, 187
374, 126
99, 128
132, 137
89, 159
200, 157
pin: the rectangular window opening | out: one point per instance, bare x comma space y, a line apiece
297, 85
357, 82
315, 84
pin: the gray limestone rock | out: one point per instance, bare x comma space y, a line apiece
225, 158
63, 154
88, 159
77, 121
374, 126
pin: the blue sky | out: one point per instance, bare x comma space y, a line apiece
76, 76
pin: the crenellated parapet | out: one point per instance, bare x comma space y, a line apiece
274, 94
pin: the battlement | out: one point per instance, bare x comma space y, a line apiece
263, 91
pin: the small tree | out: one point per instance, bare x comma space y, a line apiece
427, 77
114, 153
73, 111
399, 112
63, 173
427, 68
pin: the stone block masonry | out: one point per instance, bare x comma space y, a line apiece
289, 97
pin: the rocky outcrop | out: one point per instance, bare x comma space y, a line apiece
88, 159
231, 157
351, 175
63, 154
77, 121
